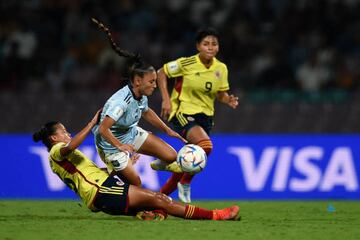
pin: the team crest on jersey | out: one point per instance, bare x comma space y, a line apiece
217, 74
173, 66
118, 111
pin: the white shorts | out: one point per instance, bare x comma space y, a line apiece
119, 160
140, 137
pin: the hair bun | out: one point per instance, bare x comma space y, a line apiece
40, 135
36, 137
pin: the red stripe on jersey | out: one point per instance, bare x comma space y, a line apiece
178, 88
71, 168
178, 84
67, 166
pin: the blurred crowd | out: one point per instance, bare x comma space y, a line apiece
305, 45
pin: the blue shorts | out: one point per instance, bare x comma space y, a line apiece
182, 123
112, 197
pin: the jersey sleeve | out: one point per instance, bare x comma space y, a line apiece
115, 110
55, 152
145, 104
173, 68
224, 80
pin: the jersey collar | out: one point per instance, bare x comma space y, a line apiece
133, 94
199, 61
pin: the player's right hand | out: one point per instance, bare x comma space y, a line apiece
172, 133
165, 109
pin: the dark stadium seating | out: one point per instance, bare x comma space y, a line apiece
25, 112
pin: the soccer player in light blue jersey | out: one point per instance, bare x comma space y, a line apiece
118, 135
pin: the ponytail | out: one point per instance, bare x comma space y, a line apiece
138, 66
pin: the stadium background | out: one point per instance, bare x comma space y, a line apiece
294, 65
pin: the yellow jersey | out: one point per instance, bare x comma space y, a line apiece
78, 172
195, 86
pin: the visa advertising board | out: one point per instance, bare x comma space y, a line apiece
269, 167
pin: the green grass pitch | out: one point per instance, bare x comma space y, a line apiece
260, 220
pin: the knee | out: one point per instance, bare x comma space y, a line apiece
170, 156
162, 199
173, 155
206, 145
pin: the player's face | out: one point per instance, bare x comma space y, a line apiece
148, 83
208, 47
61, 134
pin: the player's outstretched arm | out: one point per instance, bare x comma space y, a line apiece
151, 117
80, 137
162, 83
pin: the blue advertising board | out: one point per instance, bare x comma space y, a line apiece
240, 167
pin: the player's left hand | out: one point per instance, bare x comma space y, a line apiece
134, 158
172, 133
95, 120
233, 101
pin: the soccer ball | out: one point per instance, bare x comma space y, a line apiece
191, 158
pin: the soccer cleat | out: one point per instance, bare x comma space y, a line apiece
173, 167
230, 213
145, 215
156, 215
159, 165
184, 192
160, 215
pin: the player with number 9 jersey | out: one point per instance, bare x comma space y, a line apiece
199, 80
196, 86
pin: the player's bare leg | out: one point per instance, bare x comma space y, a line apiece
156, 147
166, 154
195, 135
130, 175
140, 198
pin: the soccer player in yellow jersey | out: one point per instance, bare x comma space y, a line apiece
199, 80
108, 193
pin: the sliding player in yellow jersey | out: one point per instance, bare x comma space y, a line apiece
199, 80
109, 193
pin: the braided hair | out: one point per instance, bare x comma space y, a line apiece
44, 134
138, 66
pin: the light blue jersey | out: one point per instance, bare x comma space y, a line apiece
126, 111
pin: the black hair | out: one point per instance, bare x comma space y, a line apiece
137, 66
204, 32
44, 134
